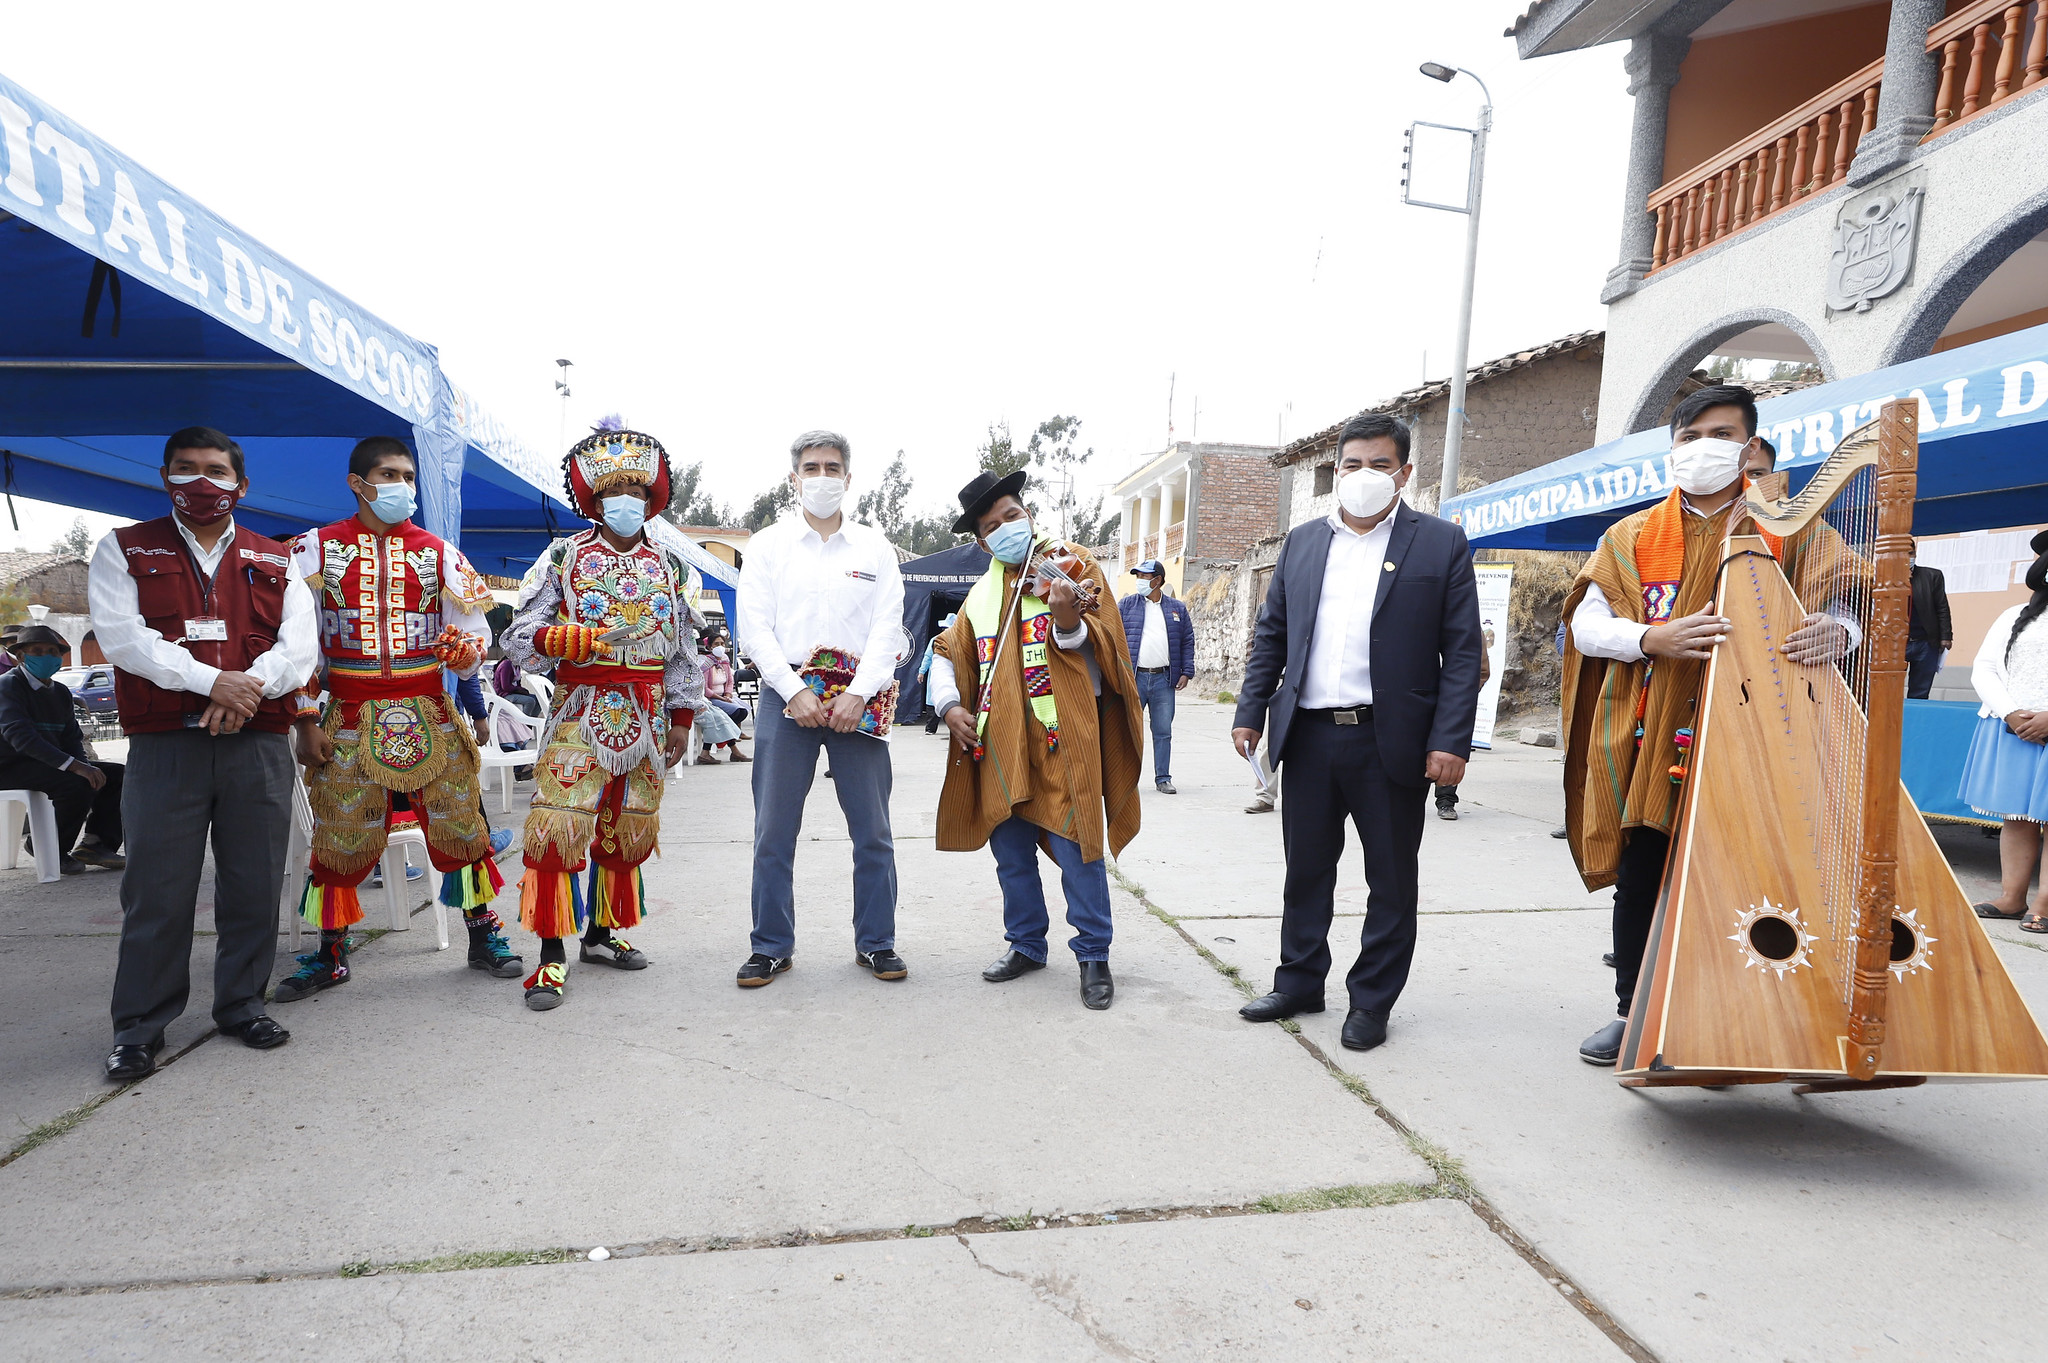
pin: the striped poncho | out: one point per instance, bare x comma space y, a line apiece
1610, 785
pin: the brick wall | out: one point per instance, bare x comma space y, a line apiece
1237, 503
1514, 422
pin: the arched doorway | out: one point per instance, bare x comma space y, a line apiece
1995, 285
1764, 349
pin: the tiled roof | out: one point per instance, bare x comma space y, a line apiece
19, 564
1436, 388
1514, 30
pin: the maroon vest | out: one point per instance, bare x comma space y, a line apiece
247, 592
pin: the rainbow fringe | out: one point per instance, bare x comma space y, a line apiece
473, 886
617, 896
330, 906
551, 904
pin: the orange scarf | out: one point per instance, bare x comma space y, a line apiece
1660, 555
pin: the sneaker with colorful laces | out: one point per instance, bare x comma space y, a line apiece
490, 951
616, 952
544, 986
316, 972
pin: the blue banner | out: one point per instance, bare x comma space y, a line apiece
1976, 403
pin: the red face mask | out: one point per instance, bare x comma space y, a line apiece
201, 500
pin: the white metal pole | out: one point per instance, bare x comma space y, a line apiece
1454, 419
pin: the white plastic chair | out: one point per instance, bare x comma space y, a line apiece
543, 689
299, 851
34, 808
492, 757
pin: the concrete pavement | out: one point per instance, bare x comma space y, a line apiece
743, 1148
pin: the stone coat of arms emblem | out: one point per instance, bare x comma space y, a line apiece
1873, 249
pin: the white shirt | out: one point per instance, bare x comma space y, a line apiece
1152, 650
135, 648
799, 593
2019, 683
1339, 670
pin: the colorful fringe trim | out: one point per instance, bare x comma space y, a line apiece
551, 904
618, 897
473, 886
330, 906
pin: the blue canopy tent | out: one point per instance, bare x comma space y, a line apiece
933, 586
1982, 409
132, 311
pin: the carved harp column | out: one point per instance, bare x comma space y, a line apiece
1891, 609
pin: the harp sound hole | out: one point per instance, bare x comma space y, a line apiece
1773, 939
1903, 941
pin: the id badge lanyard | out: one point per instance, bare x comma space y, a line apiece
207, 627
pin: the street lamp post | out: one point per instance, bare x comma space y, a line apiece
1454, 419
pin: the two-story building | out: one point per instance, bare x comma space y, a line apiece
1840, 182
1196, 501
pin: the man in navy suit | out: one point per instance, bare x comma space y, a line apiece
1366, 664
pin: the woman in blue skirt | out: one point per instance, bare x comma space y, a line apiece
2006, 773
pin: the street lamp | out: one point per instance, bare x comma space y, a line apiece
562, 387
1454, 420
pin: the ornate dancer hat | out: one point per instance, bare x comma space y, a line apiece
612, 456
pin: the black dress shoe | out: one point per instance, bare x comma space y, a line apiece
133, 1061
1604, 1046
1012, 964
1363, 1030
1275, 1006
258, 1033
1607, 959
886, 965
1097, 988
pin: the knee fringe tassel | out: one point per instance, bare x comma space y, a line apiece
330, 906
618, 897
551, 903
473, 886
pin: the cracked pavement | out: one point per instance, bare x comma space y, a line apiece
421, 1111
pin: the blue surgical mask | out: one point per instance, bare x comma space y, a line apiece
394, 502
43, 666
1011, 540
625, 515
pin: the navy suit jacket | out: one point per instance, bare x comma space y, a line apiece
1426, 642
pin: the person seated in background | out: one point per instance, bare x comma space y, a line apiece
42, 748
723, 693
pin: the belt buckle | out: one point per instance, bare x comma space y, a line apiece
1344, 717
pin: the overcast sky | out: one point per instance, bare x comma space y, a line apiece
904, 222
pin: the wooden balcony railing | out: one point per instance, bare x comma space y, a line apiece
1130, 555
1774, 168
1174, 536
1151, 546
1981, 47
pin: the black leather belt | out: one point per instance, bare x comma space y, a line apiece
1357, 714
1151, 669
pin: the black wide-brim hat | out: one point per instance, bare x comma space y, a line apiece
2039, 544
984, 492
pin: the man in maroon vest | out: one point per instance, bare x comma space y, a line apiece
209, 635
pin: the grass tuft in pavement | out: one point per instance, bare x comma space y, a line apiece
457, 1263
1350, 1195
1451, 1178
57, 1126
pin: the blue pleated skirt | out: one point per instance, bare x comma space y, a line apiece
2005, 776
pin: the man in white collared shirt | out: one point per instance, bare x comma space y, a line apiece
820, 582
209, 633
1366, 664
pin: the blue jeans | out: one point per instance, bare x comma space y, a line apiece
1086, 883
785, 763
1156, 693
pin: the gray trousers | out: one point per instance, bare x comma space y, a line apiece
180, 786
785, 763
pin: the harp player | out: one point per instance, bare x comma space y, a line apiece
1642, 606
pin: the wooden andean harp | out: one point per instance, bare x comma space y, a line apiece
1809, 928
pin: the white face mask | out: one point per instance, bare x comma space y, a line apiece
1704, 466
821, 496
1366, 492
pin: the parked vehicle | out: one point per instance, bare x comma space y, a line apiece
92, 688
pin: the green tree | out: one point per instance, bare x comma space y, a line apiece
999, 454
1054, 448
884, 508
689, 503
77, 540
769, 506
1091, 528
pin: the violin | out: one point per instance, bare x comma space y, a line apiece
1057, 563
